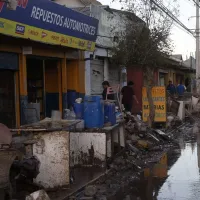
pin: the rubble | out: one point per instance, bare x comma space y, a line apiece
146, 148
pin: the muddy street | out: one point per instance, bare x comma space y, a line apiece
182, 180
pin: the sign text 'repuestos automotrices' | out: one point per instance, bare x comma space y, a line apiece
49, 22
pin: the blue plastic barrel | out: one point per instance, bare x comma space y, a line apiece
93, 111
79, 110
71, 97
109, 113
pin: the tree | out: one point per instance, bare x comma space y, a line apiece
144, 42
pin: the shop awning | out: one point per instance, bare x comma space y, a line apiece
47, 22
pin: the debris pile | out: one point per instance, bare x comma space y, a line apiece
145, 148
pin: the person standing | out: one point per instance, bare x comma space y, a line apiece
128, 95
171, 88
181, 89
106, 85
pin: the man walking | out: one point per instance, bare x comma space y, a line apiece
128, 95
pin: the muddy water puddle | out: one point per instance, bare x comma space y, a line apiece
182, 181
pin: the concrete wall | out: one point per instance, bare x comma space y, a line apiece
108, 72
87, 148
70, 3
52, 150
76, 3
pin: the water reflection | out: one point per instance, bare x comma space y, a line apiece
183, 181
198, 149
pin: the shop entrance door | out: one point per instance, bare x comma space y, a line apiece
51, 86
7, 98
35, 89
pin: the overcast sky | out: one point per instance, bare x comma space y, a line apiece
184, 43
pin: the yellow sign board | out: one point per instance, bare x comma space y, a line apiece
12, 28
159, 99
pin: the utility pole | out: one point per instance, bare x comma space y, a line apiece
197, 49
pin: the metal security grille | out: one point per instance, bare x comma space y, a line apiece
97, 76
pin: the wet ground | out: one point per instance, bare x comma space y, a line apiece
178, 179
182, 181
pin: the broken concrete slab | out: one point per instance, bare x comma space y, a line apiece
41, 194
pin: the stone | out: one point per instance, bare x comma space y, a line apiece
41, 194
128, 141
120, 161
5, 135
128, 197
90, 190
101, 197
101, 189
143, 143
86, 198
134, 138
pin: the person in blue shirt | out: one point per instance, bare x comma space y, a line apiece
171, 88
181, 89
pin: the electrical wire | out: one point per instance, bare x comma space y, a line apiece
196, 3
171, 15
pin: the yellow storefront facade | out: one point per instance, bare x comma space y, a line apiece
40, 70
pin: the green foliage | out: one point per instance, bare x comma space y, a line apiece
143, 43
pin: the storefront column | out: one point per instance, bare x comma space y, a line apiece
60, 85
106, 69
23, 88
81, 75
64, 83
17, 108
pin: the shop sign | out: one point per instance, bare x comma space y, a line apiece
48, 22
159, 99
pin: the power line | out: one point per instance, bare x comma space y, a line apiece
196, 3
172, 16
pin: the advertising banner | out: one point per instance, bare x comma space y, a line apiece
159, 99
48, 22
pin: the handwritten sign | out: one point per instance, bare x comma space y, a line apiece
159, 99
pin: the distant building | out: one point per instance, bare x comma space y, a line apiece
190, 63
177, 56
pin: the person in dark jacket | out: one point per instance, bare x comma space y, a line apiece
128, 95
171, 88
181, 89
106, 85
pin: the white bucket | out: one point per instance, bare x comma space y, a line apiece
55, 115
